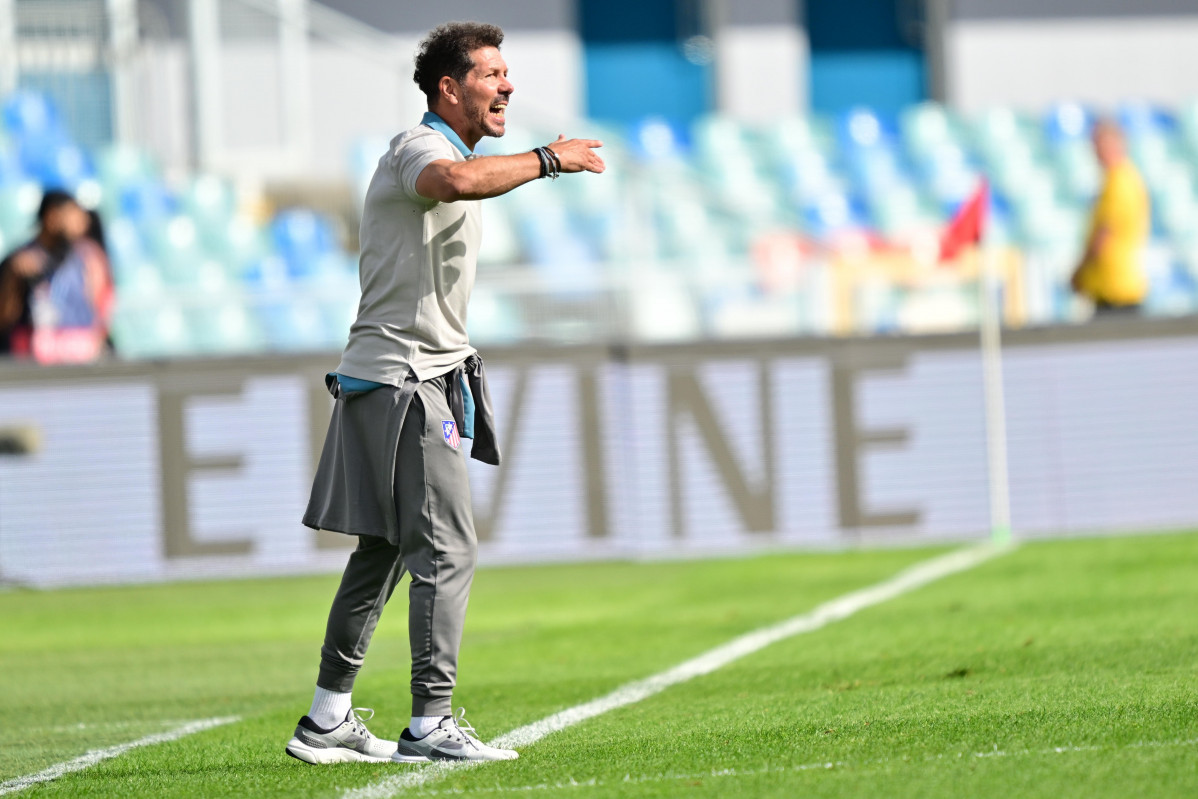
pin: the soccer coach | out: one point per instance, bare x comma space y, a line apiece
408, 388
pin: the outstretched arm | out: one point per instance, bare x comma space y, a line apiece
491, 175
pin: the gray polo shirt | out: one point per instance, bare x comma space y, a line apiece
417, 266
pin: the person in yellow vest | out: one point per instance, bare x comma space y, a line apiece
1111, 272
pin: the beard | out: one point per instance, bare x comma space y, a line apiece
480, 115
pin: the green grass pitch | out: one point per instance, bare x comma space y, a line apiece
1061, 669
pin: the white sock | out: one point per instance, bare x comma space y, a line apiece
329, 708
423, 725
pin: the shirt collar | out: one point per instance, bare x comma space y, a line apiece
441, 126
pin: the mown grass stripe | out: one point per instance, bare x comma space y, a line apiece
95, 756
835, 610
830, 765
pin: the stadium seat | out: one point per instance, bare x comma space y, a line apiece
807, 175
11, 172
119, 165
30, 114
223, 326
926, 128
293, 323
863, 128
266, 273
55, 161
302, 237
1066, 121
830, 213
1078, 170
157, 330
209, 201
147, 202
691, 198
1175, 207
174, 244
139, 281
239, 243
656, 139
18, 207
896, 211
1139, 118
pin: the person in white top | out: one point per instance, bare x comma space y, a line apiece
409, 387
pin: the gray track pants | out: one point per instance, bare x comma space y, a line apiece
437, 548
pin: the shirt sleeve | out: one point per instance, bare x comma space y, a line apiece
413, 155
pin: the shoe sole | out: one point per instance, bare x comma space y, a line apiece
440, 757
398, 758
323, 757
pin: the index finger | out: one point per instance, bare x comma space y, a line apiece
591, 143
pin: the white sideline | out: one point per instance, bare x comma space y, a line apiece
98, 755
910, 579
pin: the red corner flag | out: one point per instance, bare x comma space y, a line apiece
966, 226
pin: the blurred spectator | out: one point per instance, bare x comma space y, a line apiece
1111, 273
56, 291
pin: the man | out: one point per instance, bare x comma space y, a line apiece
1110, 272
392, 471
56, 290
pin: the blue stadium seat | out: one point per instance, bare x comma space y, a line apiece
864, 128
301, 238
1138, 118
832, 213
11, 172
808, 175
657, 139
147, 202
293, 323
31, 114
1066, 121
268, 272
124, 241
54, 160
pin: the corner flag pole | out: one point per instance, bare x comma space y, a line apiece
968, 228
990, 333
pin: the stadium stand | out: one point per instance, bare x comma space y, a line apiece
721, 230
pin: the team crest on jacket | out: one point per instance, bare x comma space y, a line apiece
450, 431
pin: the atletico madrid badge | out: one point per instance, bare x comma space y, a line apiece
450, 431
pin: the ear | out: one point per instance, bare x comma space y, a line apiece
449, 90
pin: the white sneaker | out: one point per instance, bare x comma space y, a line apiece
450, 741
348, 742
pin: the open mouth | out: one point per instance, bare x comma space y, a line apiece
499, 110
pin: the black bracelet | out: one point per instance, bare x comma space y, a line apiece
550, 165
557, 162
544, 159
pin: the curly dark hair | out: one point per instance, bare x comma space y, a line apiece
446, 51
